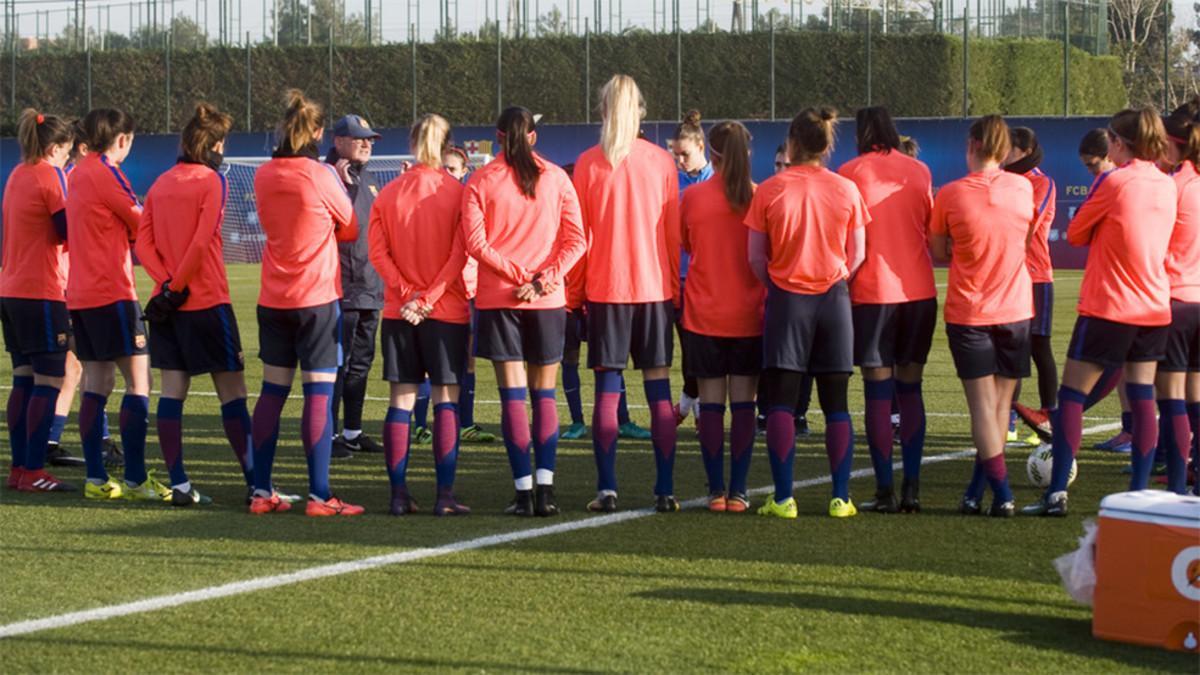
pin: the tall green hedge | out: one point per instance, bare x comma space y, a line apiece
723, 75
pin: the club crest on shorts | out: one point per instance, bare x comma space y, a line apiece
139, 341
61, 339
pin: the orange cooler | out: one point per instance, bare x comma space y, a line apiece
1148, 570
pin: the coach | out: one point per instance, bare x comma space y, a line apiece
362, 290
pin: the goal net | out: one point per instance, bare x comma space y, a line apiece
241, 232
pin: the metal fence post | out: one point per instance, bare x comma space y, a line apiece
587, 71
330, 115
1067, 58
869, 83
678, 66
772, 66
1166, 58
89, 75
249, 90
167, 50
413, 66
966, 19
499, 64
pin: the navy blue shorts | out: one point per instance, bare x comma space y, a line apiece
643, 331
310, 335
1042, 322
1112, 344
108, 332
1183, 339
893, 334
432, 348
37, 333
980, 351
198, 342
536, 336
576, 333
809, 333
709, 357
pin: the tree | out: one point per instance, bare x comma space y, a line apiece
553, 24
1137, 29
295, 17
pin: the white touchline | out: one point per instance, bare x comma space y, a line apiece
400, 557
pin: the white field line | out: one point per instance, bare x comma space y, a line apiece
400, 557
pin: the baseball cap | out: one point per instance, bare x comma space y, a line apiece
354, 127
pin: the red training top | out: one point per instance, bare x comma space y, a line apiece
304, 211
1183, 253
1127, 220
723, 298
988, 216
631, 216
102, 219
1037, 255
898, 191
809, 214
416, 244
34, 263
515, 237
180, 234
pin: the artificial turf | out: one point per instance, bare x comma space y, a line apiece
693, 591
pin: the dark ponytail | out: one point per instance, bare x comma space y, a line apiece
730, 146
1094, 144
102, 126
514, 128
1025, 140
875, 131
37, 132
690, 129
811, 134
1183, 129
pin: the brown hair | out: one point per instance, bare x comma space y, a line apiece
992, 138
302, 120
80, 140
207, 127
690, 128
102, 126
811, 134
1141, 130
1183, 129
731, 154
910, 146
427, 139
514, 127
37, 132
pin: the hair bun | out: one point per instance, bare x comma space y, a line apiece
692, 118
828, 114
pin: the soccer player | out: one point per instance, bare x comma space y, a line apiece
807, 237
688, 147
1178, 379
629, 193
723, 314
304, 211
981, 224
521, 221
193, 329
33, 308
105, 316
1024, 158
1124, 302
417, 247
894, 302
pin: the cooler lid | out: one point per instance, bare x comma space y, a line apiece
1153, 503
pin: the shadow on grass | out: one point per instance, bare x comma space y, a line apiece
287, 660
1041, 632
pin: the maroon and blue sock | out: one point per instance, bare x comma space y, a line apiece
466, 401
91, 434
56, 428
445, 443
997, 477
1145, 433
1068, 431
743, 427
912, 426
1174, 437
39, 415
235, 418
421, 409
170, 437
264, 430
18, 431
623, 409
135, 421
662, 434
605, 428
839, 446
712, 445
978, 481
545, 429
880, 395
514, 428
316, 432
1108, 381
395, 444
572, 389
781, 449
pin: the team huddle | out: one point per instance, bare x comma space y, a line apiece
789, 284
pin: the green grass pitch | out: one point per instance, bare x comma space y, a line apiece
685, 592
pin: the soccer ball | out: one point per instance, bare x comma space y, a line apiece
1041, 463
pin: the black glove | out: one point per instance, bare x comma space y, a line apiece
161, 306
